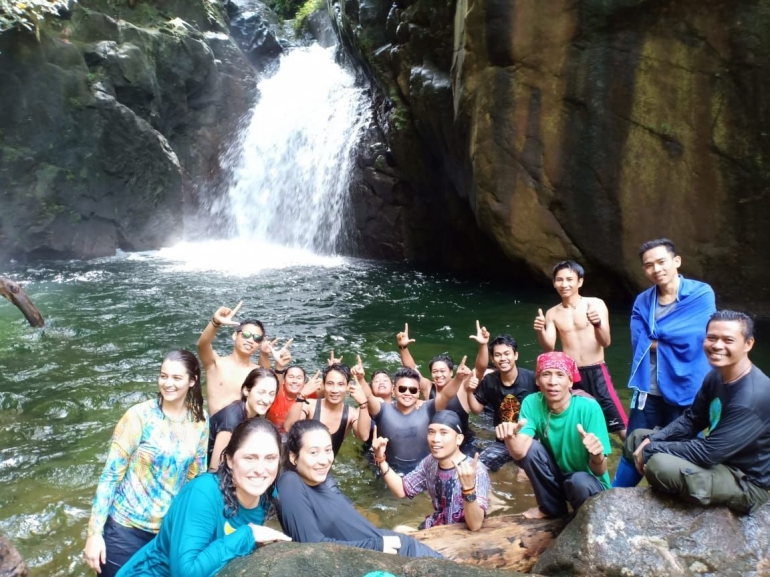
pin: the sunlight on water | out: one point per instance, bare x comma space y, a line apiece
238, 257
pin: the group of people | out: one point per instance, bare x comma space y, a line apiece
183, 494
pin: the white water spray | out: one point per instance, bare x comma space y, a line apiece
290, 180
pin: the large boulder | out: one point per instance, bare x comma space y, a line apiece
579, 129
641, 533
331, 560
11, 563
111, 131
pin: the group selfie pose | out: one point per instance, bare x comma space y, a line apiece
183, 493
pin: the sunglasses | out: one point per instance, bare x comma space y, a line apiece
402, 389
256, 336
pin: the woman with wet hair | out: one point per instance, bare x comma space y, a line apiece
257, 396
311, 511
157, 446
218, 516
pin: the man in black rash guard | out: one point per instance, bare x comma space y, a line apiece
405, 423
440, 368
730, 464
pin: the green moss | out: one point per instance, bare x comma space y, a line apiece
308, 8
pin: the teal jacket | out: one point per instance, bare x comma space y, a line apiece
196, 539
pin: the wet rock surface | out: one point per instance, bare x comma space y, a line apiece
11, 563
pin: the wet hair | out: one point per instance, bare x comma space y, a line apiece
304, 374
406, 373
382, 372
569, 265
747, 324
240, 435
254, 322
507, 340
442, 359
651, 244
256, 375
339, 367
294, 439
194, 398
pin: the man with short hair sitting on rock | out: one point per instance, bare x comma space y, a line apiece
560, 440
730, 463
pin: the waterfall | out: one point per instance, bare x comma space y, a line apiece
290, 176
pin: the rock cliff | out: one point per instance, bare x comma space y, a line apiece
112, 125
579, 129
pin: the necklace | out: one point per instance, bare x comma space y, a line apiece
739, 377
575, 306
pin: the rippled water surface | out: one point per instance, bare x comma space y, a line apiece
63, 388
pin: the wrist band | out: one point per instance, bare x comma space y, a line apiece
469, 491
597, 325
362, 405
380, 461
280, 371
215, 322
403, 347
383, 473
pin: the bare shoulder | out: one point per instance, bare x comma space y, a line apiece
596, 302
554, 311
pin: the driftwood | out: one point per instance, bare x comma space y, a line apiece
505, 542
16, 295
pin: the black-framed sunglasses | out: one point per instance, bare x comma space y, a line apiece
413, 390
249, 335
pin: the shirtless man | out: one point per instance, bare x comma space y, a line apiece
225, 375
583, 325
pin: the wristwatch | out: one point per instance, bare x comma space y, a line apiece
469, 497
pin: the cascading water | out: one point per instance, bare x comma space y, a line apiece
290, 179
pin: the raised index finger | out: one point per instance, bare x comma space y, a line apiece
286, 345
236, 309
478, 327
475, 460
462, 362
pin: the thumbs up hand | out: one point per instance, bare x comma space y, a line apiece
591, 442
593, 315
539, 321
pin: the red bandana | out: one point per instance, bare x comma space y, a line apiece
560, 361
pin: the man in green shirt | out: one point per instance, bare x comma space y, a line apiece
560, 440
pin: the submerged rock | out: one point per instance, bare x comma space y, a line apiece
641, 533
11, 563
331, 560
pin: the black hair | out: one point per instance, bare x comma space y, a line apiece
339, 367
294, 439
507, 340
304, 374
442, 359
569, 265
406, 373
240, 434
194, 397
747, 324
651, 244
254, 322
381, 372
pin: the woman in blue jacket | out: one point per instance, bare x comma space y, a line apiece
218, 516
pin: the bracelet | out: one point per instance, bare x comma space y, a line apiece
386, 472
595, 462
280, 371
364, 404
301, 399
597, 325
469, 491
380, 461
215, 322
402, 347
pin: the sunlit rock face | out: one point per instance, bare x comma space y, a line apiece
582, 129
113, 124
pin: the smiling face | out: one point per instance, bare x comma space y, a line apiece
294, 380
440, 373
555, 385
254, 466
660, 266
443, 441
247, 346
315, 457
260, 397
174, 381
382, 387
725, 346
407, 392
335, 387
567, 283
504, 358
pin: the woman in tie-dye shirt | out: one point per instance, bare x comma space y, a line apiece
156, 448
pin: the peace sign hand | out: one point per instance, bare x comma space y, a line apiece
357, 370
379, 444
224, 315
267, 346
283, 356
466, 472
313, 385
482, 334
402, 339
332, 360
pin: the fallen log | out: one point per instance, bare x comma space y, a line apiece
506, 542
16, 295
